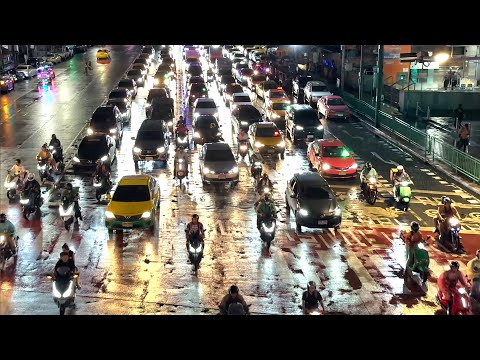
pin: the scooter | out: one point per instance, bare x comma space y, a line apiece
13, 186
461, 301
314, 311
181, 140
371, 190
29, 205
452, 237
64, 291
195, 250
473, 275
267, 230
67, 212
181, 170
101, 185
243, 149
5, 251
57, 153
44, 169
404, 194
421, 261
256, 169
264, 190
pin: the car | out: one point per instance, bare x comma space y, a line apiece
107, 120
122, 94
151, 142
275, 95
196, 80
149, 50
240, 99
205, 106
162, 78
244, 75
53, 58
275, 111
142, 67
236, 70
298, 84
130, 85
206, 130
146, 57
302, 123
265, 138
195, 70
137, 76
124, 108
263, 87
245, 115
255, 80
313, 202
331, 159
333, 107
92, 148
231, 89
165, 68
155, 93
168, 61
313, 91
28, 71
217, 164
223, 81
135, 204
189, 62
237, 55
103, 54
6, 84
196, 91
34, 61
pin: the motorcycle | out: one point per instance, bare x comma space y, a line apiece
243, 149
64, 291
67, 212
461, 301
5, 251
101, 185
13, 186
314, 311
256, 169
452, 236
181, 170
44, 169
267, 230
421, 261
195, 250
57, 153
473, 275
29, 205
404, 194
181, 140
371, 190
236, 309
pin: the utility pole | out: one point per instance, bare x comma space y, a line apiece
342, 74
360, 74
378, 103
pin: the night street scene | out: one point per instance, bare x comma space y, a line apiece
240, 179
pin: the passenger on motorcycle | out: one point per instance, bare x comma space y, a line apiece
72, 196
181, 129
264, 182
266, 208
242, 137
7, 227
445, 211
195, 227
180, 154
367, 172
448, 280
19, 171
311, 298
233, 297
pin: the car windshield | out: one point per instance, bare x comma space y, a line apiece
198, 88
335, 102
315, 192
131, 193
121, 105
117, 94
269, 86
241, 66
307, 118
134, 72
318, 88
280, 106
22, 67
156, 93
335, 152
102, 121
219, 155
258, 78
140, 62
243, 98
150, 135
247, 72
263, 131
233, 88
207, 122
196, 80
277, 95
196, 71
206, 105
92, 149
227, 79
125, 83
248, 112
302, 81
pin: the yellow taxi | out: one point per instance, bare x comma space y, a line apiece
275, 112
276, 95
134, 204
265, 138
103, 54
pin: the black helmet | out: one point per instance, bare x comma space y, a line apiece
414, 226
54, 136
3, 217
45, 146
195, 216
65, 246
368, 165
454, 264
69, 186
311, 283
234, 289
18, 160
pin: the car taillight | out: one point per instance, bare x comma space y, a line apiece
276, 133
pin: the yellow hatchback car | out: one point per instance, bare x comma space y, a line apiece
134, 204
266, 139
276, 112
103, 54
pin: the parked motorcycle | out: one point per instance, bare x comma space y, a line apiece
452, 237
195, 249
181, 170
67, 212
5, 252
404, 194
267, 230
64, 291
29, 205
101, 185
371, 190
57, 153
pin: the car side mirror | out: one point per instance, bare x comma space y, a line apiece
294, 196
133, 138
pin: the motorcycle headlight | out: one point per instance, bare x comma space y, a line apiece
97, 184
180, 161
156, 82
298, 127
196, 135
41, 167
67, 212
372, 180
245, 123
137, 150
109, 215
24, 201
50, 147
303, 212
266, 190
125, 100
243, 147
197, 114
55, 292
234, 170
113, 131
206, 171
76, 159
104, 158
326, 167
421, 246
2, 238
320, 127
258, 144
275, 116
282, 144
182, 140
170, 123
268, 229
161, 149
146, 214
338, 211
69, 291
404, 183
453, 221
354, 166
10, 185
139, 79
89, 131
257, 163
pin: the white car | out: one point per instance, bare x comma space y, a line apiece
313, 91
53, 58
27, 70
205, 106
240, 99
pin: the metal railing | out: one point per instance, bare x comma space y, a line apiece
434, 149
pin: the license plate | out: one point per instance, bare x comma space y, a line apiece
127, 224
271, 151
340, 114
322, 222
149, 158
342, 173
222, 176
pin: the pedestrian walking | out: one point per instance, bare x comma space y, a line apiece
459, 115
446, 80
455, 79
464, 137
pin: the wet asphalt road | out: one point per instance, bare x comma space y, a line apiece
359, 269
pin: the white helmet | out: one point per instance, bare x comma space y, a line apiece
31, 176
400, 167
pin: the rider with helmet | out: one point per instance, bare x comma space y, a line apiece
181, 127
57, 146
311, 298
448, 280
72, 196
367, 172
102, 172
411, 239
180, 154
397, 176
445, 211
265, 208
264, 182
7, 227
195, 227
32, 187
233, 297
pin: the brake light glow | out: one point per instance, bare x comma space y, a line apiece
276, 133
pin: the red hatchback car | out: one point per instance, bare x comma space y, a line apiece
331, 158
6, 84
332, 107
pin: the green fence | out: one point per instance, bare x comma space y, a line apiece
433, 148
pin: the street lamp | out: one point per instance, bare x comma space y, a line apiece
441, 58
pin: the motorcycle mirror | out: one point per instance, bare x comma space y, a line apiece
49, 277
75, 276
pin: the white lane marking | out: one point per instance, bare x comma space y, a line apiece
367, 281
386, 162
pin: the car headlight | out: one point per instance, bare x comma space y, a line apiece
338, 211
206, 171
326, 167
156, 82
109, 215
298, 127
234, 170
197, 114
215, 114
146, 215
137, 150
161, 149
354, 166
76, 159
245, 123
372, 180
303, 212
55, 292
89, 131
275, 116
113, 131
170, 123
453, 221
196, 134
258, 144
104, 158
320, 127
125, 100
404, 183
139, 79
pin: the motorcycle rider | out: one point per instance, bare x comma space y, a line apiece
311, 298
180, 154
448, 280
18, 170
72, 196
411, 238
263, 182
265, 208
398, 177
32, 185
102, 172
46, 156
181, 129
195, 226
232, 297
254, 159
63, 262
71, 258
242, 137
57, 145
6, 226
367, 172
445, 211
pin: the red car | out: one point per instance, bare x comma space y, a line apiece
332, 107
331, 158
6, 84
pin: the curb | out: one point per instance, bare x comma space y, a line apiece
461, 181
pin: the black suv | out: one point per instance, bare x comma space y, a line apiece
302, 123
245, 115
107, 120
312, 201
